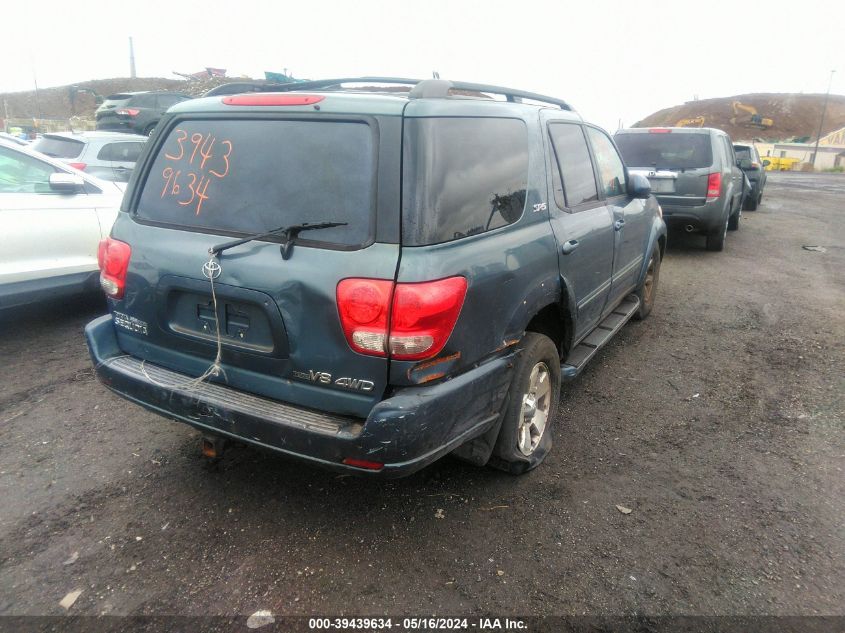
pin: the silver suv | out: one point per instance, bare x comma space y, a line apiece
106, 155
694, 174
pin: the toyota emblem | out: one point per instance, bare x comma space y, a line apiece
211, 269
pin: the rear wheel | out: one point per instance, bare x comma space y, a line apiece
752, 201
733, 220
648, 290
148, 131
525, 437
716, 241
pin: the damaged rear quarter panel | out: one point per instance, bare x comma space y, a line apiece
511, 272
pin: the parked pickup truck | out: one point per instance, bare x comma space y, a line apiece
371, 280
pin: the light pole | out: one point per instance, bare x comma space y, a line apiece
821, 122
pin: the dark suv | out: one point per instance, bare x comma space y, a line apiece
137, 112
369, 281
694, 174
755, 170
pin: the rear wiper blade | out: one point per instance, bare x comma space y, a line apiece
288, 233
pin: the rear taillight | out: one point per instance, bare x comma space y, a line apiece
363, 305
422, 315
128, 111
714, 185
113, 259
271, 99
79, 166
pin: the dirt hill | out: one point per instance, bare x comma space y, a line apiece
60, 102
792, 115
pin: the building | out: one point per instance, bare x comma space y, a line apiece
831, 151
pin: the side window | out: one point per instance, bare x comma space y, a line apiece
726, 153
144, 101
611, 168
122, 152
730, 150
165, 101
462, 177
574, 165
20, 173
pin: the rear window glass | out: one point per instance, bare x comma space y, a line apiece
58, 147
666, 150
742, 152
247, 176
116, 101
462, 177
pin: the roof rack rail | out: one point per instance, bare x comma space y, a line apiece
428, 88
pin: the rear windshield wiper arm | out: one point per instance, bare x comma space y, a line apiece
288, 233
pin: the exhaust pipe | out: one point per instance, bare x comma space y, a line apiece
689, 228
212, 446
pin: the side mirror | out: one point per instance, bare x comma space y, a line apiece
639, 186
66, 183
766, 162
744, 163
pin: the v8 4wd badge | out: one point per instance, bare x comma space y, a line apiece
325, 378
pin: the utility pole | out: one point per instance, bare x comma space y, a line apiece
35, 81
131, 59
821, 122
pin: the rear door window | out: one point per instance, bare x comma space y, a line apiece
122, 152
144, 101
165, 101
665, 150
575, 165
251, 175
462, 176
59, 147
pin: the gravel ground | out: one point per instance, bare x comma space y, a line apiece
718, 421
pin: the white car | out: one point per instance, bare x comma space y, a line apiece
52, 218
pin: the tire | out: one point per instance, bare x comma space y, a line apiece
648, 289
716, 241
524, 441
148, 131
751, 203
734, 219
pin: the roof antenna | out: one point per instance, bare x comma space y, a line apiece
435, 74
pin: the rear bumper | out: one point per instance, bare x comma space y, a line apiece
117, 123
706, 217
116, 126
405, 432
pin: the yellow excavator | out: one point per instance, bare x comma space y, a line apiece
752, 120
693, 122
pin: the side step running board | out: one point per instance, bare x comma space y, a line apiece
598, 338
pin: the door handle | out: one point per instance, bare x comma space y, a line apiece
617, 226
569, 246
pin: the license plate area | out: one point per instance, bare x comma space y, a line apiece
662, 185
249, 320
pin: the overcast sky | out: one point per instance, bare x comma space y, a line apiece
610, 59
